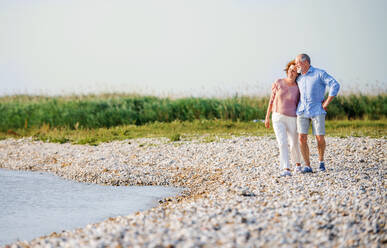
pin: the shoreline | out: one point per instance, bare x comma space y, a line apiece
234, 194
35, 204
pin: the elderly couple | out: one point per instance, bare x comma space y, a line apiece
296, 101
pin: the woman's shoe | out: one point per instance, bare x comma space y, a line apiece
298, 169
286, 173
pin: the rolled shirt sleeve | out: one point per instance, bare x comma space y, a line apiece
333, 85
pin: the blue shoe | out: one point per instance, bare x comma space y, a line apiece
322, 166
307, 169
286, 173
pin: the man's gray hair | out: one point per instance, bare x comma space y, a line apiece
305, 57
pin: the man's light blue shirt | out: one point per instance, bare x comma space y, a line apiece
312, 87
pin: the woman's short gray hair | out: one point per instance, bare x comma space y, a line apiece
305, 57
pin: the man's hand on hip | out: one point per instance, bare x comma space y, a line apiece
325, 105
326, 102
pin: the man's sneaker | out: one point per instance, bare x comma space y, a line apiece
307, 169
298, 169
322, 166
286, 173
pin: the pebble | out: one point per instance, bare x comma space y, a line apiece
234, 195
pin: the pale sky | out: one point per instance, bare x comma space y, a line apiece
187, 47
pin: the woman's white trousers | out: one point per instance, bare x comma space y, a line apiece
285, 128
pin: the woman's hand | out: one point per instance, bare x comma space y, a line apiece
267, 122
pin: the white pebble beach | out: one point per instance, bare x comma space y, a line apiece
234, 194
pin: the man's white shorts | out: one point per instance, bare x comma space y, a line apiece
318, 124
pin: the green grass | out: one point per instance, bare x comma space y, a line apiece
357, 128
206, 130
107, 111
93, 119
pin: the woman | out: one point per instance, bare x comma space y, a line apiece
283, 102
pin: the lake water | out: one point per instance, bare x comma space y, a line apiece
34, 204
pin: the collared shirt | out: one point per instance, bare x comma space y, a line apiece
312, 87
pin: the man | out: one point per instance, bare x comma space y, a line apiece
312, 107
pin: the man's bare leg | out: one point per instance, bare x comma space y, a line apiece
321, 146
304, 148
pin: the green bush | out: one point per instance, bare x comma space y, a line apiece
114, 110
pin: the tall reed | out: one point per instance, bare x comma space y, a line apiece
96, 111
